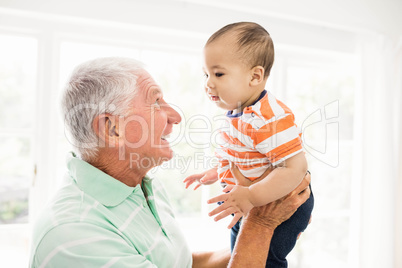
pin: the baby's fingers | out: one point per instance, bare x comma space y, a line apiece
235, 219
196, 187
218, 198
228, 211
209, 178
228, 188
193, 177
188, 183
218, 209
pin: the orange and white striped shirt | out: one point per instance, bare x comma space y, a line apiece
263, 135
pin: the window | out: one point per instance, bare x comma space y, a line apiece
72, 54
181, 78
319, 88
18, 67
320, 91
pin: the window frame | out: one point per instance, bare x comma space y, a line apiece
49, 43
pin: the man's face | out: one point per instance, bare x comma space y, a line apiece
147, 126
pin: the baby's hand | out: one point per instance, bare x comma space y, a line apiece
236, 200
206, 178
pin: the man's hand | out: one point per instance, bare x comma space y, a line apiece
274, 213
258, 226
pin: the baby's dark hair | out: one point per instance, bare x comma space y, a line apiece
255, 46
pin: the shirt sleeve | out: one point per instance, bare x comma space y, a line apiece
86, 245
224, 173
279, 139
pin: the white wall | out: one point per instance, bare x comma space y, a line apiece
204, 15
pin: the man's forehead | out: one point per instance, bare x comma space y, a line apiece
154, 90
147, 84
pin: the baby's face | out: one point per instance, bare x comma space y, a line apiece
227, 78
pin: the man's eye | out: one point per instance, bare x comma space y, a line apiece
156, 104
219, 74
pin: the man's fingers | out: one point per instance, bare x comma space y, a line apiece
303, 196
266, 172
239, 178
303, 185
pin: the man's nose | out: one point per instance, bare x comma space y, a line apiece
173, 116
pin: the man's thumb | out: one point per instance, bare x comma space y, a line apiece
239, 178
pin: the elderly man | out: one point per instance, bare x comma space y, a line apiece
109, 213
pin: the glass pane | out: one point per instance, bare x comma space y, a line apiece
331, 214
322, 100
74, 53
15, 178
321, 95
310, 89
17, 81
18, 67
332, 186
326, 246
180, 77
71, 55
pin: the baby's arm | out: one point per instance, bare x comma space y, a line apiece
241, 199
281, 181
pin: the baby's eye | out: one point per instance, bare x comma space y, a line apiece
219, 74
205, 76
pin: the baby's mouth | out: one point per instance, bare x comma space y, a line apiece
214, 98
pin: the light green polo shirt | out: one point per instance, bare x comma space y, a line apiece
97, 221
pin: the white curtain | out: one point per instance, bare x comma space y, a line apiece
378, 153
398, 188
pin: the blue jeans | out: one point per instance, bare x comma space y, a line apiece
285, 235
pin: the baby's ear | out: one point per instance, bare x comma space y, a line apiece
257, 75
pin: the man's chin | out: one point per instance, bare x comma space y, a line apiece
166, 157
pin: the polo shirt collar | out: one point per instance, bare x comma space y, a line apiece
230, 113
96, 183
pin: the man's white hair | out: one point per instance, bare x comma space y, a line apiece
103, 85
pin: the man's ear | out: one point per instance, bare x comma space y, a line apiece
106, 127
257, 75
